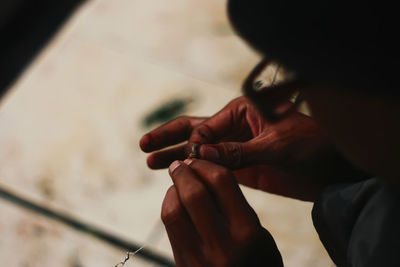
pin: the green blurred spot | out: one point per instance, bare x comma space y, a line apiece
166, 112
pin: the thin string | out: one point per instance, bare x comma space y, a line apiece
153, 239
128, 255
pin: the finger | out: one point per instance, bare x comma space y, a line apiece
176, 250
226, 190
184, 241
171, 133
184, 255
221, 124
235, 155
162, 159
200, 206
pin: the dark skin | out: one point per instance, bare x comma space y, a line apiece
331, 48
288, 158
210, 223
363, 126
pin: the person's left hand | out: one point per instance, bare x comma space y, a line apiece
210, 223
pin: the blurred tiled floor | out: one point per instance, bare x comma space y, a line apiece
70, 127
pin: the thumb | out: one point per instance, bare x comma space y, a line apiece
233, 155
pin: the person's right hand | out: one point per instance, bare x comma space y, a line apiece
292, 157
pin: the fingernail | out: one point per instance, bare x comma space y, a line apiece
174, 165
188, 161
209, 153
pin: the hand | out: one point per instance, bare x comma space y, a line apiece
292, 157
210, 223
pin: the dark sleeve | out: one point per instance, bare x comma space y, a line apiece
359, 224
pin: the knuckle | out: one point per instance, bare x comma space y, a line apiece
220, 178
244, 234
233, 153
172, 209
277, 134
171, 213
238, 108
182, 118
194, 195
204, 132
239, 100
184, 121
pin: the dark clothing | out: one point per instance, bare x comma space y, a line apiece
359, 223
